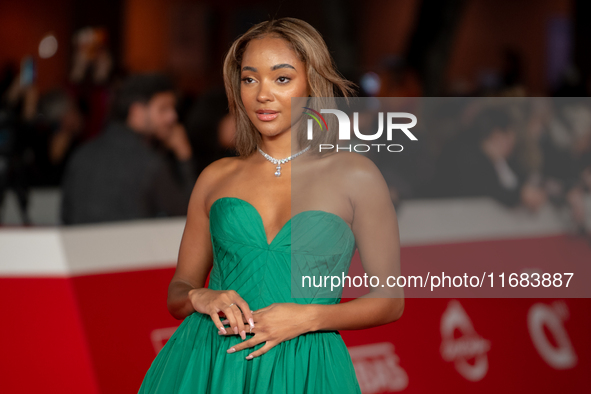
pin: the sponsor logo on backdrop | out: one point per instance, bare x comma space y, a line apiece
557, 351
345, 130
377, 369
469, 351
160, 336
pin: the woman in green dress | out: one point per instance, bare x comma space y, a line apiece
240, 227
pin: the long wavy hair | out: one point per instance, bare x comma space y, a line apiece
324, 80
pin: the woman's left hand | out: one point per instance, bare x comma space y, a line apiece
276, 323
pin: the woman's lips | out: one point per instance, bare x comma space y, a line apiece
267, 117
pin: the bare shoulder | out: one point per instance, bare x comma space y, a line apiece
354, 167
359, 177
210, 178
218, 170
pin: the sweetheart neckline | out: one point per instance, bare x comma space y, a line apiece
286, 223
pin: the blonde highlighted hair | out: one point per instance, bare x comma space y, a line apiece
324, 80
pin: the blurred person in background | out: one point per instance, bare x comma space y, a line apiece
566, 146
59, 125
125, 173
211, 128
572, 83
401, 170
512, 73
398, 78
18, 104
479, 162
91, 75
586, 185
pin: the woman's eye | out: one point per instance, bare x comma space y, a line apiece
247, 80
283, 79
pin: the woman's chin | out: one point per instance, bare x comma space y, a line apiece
270, 132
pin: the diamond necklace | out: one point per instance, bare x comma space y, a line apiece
278, 162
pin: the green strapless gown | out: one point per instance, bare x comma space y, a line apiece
194, 360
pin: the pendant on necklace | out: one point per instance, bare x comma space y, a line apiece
279, 162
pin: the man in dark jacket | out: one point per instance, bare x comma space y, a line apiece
478, 162
140, 166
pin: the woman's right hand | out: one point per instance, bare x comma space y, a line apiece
211, 302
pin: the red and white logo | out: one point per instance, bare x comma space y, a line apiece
468, 351
377, 369
560, 355
160, 336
